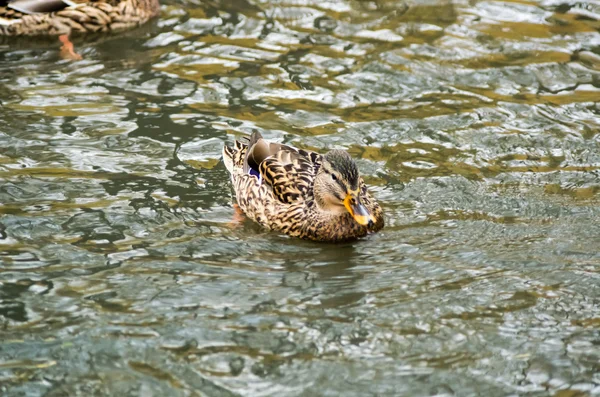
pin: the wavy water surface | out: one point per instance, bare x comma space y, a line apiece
474, 122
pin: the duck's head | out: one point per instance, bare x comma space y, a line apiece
338, 187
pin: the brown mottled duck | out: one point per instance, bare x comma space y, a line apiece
63, 17
301, 193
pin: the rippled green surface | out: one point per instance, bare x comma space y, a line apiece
476, 124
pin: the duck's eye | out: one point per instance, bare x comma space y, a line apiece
334, 177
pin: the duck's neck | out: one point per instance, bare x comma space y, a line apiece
334, 225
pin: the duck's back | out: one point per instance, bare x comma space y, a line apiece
272, 182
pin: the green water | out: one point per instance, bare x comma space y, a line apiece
475, 124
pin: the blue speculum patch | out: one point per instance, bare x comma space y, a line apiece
252, 171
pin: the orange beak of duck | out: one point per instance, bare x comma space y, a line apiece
358, 211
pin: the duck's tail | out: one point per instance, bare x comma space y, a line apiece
233, 157
228, 154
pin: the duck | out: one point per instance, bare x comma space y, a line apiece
63, 17
301, 193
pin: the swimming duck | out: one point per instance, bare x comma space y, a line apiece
58, 17
301, 193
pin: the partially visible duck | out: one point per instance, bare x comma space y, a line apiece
63, 17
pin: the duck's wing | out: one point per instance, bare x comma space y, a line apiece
290, 172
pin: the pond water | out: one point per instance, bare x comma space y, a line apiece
475, 123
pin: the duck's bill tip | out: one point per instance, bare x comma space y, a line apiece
364, 220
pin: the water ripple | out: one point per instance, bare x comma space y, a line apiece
474, 123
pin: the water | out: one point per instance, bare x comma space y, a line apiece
475, 124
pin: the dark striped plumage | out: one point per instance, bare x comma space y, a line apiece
301, 193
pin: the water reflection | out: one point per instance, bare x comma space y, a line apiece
122, 272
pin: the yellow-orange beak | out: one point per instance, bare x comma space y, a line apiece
358, 211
